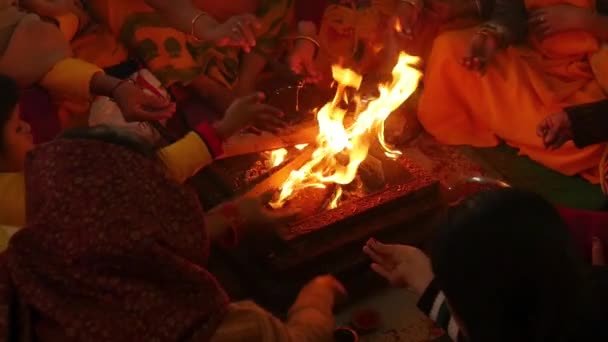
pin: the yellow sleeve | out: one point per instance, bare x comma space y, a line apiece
12, 199
70, 78
185, 157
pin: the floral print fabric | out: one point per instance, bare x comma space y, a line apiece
113, 250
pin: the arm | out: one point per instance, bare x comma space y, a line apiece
433, 304
510, 19
191, 153
12, 199
76, 79
180, 14
310, 319
310, 12
589, 123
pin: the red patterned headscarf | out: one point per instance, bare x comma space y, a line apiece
113, 249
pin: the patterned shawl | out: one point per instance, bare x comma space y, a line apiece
113, 250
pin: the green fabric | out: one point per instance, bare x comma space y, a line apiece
520, 171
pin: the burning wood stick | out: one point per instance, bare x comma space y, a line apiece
251, 143
276, 180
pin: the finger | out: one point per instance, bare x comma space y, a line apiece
284, 215
251, 20
263, 108
142, 114
253, 130
598, 258
383, 272
270, 122
559, 142
377, 258
251, 99
381, 248
247, 32
541, 130
551, 136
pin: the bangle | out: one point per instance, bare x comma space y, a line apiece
193, 24
310, 39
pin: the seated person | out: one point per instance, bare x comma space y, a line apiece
560, 65
182, 159
352, 33
201, 45
115, 250
51, 66
88, 41
509, 271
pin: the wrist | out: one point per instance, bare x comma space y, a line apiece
103, 85
212, 138
221, 130
307, 28
201, 24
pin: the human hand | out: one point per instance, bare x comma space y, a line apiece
560, 18
253, 212
555, 130
482, 49
598, 258
408, 13
249, 110
137, 105
301, 61
401, 265
327, 283
238, 31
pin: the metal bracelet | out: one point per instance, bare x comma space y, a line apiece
193, 23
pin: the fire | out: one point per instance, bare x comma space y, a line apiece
339, 149
277, 157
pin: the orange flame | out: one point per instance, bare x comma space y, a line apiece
339, 149
277, 157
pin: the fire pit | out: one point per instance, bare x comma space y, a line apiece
347, 182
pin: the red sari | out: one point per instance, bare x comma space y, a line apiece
113, 251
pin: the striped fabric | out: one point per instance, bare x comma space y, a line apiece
433, 304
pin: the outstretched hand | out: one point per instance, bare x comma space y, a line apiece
401, 265
247, 111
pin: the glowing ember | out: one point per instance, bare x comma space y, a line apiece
300, 147
339, 149
277, 157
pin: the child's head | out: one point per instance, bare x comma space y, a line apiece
508, 269
16, 139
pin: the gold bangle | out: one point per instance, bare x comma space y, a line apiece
193, 23
310, 39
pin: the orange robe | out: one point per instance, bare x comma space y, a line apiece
521, 87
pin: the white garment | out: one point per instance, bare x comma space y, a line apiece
104, 111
